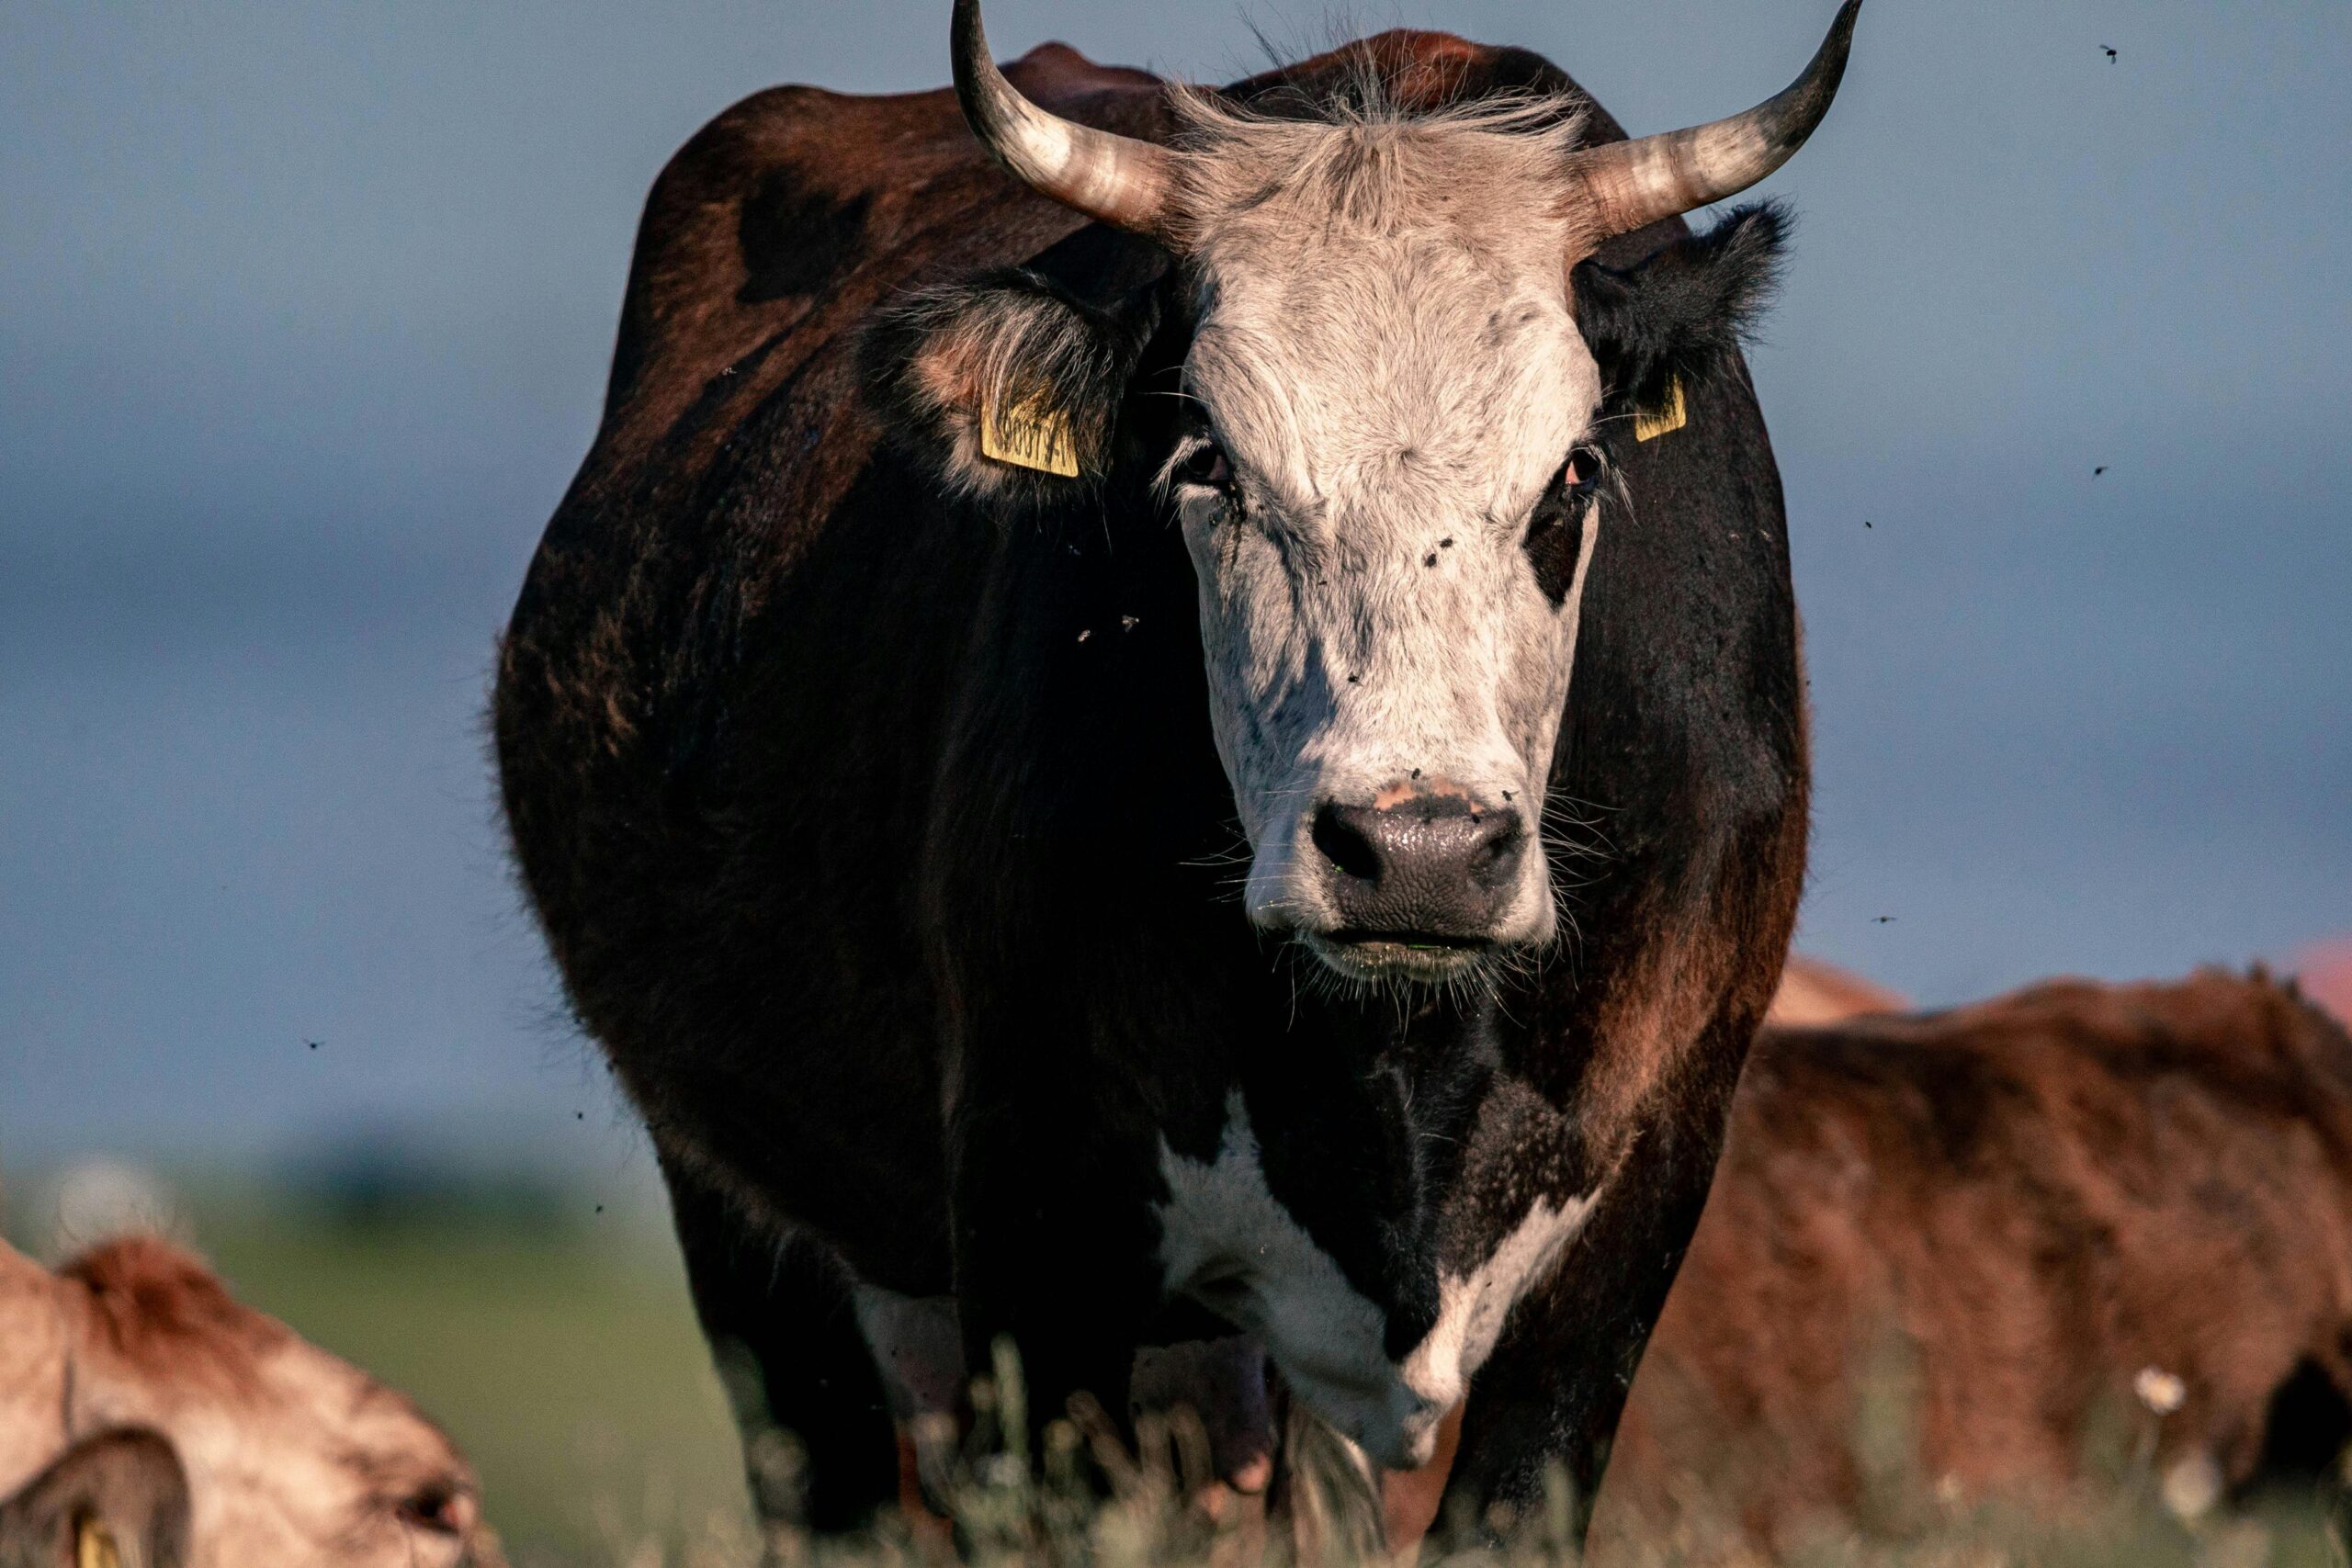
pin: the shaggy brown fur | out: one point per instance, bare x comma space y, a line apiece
2007, 1213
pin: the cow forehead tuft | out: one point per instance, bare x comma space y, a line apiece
1491, 172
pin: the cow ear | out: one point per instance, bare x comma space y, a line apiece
114, 1500
1682, 313
1008, 386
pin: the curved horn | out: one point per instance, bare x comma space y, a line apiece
1636, 182
1118, 179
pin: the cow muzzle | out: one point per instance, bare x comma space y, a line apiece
1420, 882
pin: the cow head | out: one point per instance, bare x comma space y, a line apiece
291, 1455
1401, 382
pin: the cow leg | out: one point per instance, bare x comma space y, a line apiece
1550, 1396
1056, 1246
786, 1338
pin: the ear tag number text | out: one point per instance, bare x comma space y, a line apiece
1028, 433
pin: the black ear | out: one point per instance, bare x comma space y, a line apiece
1015, 355
1682, 311
120, 1497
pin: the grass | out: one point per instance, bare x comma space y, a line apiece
565, 1359
568, 1370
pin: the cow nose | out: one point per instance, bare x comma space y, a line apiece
1437, 867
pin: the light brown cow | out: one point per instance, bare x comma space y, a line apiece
2323, 972
2073, 1209
291, 1456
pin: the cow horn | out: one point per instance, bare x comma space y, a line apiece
1636, 182
1122, 181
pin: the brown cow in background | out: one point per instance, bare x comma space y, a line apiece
2076, 1204
1812, 992
289, 1455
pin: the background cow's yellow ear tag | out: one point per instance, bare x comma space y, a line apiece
94, 1546
1651, 424
1029, 434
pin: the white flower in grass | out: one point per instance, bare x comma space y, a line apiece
2159, 1389
2191, 1485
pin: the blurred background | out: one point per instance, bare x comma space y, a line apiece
304, 317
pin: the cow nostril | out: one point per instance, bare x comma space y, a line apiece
1345, 845
1501, 838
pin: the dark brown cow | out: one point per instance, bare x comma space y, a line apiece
2079, 1203
291, 1456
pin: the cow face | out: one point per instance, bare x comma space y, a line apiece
1397, 414
1388, 482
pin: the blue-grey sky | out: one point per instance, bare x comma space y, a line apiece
304, 315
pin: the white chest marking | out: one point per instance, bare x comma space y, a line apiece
1473, 1307
1226, 1242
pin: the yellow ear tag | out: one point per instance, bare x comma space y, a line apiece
1028, 433
94, 1546
1651, 424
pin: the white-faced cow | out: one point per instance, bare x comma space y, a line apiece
1044, 743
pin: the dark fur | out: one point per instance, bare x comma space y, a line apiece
880, 842
1683, 310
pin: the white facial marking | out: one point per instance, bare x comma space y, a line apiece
1228, 1243
1388, 353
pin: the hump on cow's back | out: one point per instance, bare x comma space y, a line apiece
116, 1499
796, 209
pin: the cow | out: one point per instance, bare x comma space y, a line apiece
134, 1386
1813, 992
2323, 971
2077, 1210
1041, 740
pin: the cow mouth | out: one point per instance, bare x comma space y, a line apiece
1398, 956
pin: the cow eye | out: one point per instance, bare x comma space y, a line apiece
1205, 465
439, 1508
1582, 471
